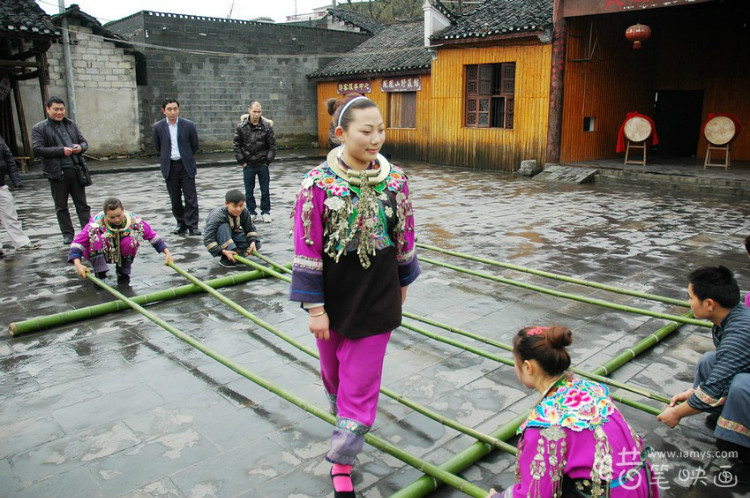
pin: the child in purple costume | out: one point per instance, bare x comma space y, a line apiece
575, 442
113, 236
353, 260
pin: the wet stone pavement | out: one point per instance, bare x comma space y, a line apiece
115, 406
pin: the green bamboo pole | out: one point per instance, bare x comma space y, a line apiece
464, 459
508, 361
507, 347
573, 297
65, 317
432, 470
465, 429
485, 354
507, 431
639, 347
259, 267
558, 276
271, 262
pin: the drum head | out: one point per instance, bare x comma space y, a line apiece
719, 130
637, 129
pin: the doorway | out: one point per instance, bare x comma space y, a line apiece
677, 116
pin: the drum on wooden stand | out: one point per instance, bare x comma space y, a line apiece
719, 132
637, 130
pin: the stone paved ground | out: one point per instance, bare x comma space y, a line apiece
117, 407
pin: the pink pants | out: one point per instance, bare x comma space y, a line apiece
351, 370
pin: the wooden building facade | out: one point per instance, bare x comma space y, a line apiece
554, 80
393, 69
696, 63
407, 140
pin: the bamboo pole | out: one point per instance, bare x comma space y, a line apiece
453, 424
591, 375
507, 361
639, 347
62, 318
558, 276
432, 470
507, 347
271, 262
485, 354
573, 297
462, 460
265, 269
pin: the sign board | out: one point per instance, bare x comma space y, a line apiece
401, 84
359, 86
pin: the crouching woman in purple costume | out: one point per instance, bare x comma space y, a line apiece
353, 260
113, 236
575, 442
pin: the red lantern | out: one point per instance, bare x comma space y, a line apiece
638, 33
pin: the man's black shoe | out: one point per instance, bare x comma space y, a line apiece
67, 240
226, 263
711, 420
179, 230
195, 231
122, 278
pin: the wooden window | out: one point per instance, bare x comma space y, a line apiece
402, 109
490, 90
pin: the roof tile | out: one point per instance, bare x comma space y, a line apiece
398, 48
25, 15
498, 17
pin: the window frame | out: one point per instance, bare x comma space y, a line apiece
489, 95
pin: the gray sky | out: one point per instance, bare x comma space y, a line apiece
110, 10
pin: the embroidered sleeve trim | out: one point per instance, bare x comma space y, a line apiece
708, 399
733, 426
308, 263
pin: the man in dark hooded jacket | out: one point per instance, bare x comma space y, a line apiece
255, 148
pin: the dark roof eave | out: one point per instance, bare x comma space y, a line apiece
465, 40
29, 35
371, 74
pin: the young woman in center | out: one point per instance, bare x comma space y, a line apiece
353, 261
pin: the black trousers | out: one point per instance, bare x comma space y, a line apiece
179, 184
61, 190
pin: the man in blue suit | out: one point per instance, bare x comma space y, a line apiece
176, 141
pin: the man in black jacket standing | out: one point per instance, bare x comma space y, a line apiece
176, 141
61, 145
8, 215
255, 148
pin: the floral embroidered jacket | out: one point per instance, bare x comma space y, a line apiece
116, 244
354, 246
577, 432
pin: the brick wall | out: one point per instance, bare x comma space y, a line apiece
222, 64
105, 90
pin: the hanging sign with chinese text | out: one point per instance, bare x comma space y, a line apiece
361, 86
401, 84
